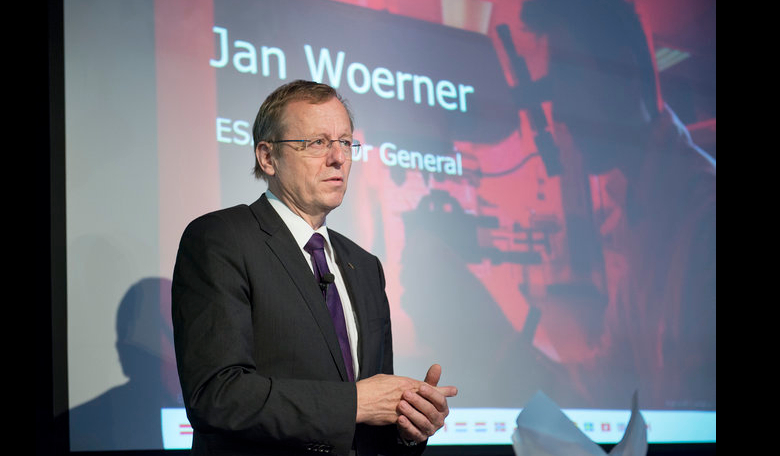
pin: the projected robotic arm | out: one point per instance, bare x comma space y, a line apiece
526, 95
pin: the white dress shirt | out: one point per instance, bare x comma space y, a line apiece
302, 232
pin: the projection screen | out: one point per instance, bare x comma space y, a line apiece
537, 178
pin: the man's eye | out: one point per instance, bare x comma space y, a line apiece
345, 143
317, 142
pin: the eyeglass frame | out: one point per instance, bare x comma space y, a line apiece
353, 145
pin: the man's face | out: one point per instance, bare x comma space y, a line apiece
312, 186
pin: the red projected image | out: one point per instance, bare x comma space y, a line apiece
577, 254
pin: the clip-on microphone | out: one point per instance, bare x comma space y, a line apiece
326, 280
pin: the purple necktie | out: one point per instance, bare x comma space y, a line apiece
316, 247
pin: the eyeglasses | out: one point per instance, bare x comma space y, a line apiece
319, 147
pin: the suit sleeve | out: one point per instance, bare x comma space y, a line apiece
213, 333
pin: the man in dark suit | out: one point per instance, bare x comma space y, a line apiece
266, 365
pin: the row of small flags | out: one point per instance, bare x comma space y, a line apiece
500, 426
479, 426
606, 427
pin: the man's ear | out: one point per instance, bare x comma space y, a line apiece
263, 155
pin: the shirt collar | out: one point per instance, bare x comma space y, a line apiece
300, 230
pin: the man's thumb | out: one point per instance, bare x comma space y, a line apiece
433, 375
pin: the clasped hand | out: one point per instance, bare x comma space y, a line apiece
418, 408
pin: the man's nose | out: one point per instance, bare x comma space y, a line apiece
337, 154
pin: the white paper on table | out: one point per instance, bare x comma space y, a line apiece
544, 430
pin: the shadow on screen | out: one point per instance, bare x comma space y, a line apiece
128, 416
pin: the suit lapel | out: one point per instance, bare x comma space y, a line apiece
282, 243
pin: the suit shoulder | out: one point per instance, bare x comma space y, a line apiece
221, 220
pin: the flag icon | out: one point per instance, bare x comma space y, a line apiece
588, 427
185, 429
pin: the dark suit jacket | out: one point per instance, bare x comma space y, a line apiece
258, 358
